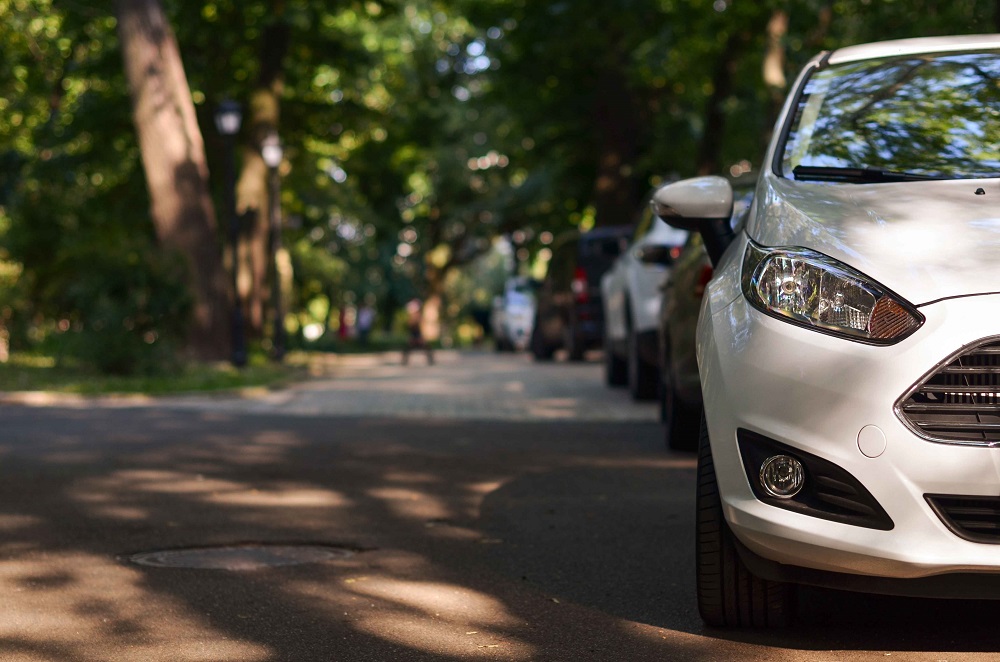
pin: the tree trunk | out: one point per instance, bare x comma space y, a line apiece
253, 193
774, 64
173, 156
710, 148
618, 123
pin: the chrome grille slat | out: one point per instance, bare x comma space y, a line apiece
924, 425
960, 400
954, 408
962, 370
975, 390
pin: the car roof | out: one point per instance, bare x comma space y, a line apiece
902, 47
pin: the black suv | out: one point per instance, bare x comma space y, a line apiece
569, 312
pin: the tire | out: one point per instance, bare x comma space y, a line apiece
615, 369
680, 421
539, 350
574, 347
729, 595
643, 380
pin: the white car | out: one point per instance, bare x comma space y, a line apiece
631, 294
512, 315
849, 341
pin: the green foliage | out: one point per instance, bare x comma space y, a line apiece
415, 132
74, 196
37, 372
124, 312
317, 271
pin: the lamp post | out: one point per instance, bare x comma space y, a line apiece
271, 151
228, 117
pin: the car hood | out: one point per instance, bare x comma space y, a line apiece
925, 241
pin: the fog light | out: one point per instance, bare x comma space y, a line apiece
782, 476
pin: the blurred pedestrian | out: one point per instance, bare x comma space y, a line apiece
365, 321
343, 324
415, 334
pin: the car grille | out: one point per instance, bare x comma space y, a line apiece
960, 401
975, 518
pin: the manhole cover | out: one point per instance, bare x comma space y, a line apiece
240, 557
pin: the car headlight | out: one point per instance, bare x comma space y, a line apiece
816, 291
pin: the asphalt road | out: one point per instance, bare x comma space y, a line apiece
483, 508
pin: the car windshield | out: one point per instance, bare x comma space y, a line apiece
899, 119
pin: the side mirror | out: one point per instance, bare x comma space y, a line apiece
701, 204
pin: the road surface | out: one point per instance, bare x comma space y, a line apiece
483, 508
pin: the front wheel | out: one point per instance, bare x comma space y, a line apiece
615, 369
680, 421
539, 349
729, 595
573, 343
642, 377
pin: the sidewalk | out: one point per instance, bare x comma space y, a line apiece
463, 385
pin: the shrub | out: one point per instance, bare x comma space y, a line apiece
123, 311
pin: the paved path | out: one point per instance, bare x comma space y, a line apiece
482, 386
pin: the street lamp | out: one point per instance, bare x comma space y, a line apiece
272, 153
228, 117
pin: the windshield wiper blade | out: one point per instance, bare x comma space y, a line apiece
861, 175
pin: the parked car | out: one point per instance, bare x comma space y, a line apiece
849, 340
680, 303
569, 314
631, 294
513, 314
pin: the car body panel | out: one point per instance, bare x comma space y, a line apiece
746, 359
679, 310
631, 289
901, 47
512, 315
924, 240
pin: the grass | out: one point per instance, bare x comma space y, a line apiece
42, 373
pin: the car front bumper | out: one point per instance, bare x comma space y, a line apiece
835, 399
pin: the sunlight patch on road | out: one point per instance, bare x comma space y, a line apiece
16, 522
448, 602
410, 477
411, 503
84, 607
289, 496
665, 462
438, 617
388, 597
153, 480
485, 487
107, 495
554, 408
409, 386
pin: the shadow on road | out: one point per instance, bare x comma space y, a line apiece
515, 541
